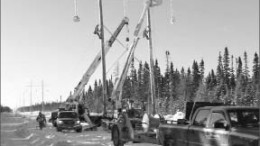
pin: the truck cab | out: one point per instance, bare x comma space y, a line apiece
215, 126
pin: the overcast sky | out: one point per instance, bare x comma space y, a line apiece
40, 42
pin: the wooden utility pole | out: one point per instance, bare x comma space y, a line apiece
103, 56
259, 73
151, 66
31, 96
42, 96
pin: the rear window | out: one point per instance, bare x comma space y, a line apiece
68, 115
244, 117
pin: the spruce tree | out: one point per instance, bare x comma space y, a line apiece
146, 81
140, 82
171, 81
239, 68
232, 81
256, 70
246, 70
195, 78
126, 91
202, 69
90, 101
157, 80
219, 70
189, 86
226, 68
232, 78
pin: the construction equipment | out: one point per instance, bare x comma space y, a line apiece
74, 101
132, 124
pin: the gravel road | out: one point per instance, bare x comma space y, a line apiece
17, 130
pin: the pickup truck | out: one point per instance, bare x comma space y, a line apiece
214, 126
68, 120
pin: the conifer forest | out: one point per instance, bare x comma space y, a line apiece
230, 82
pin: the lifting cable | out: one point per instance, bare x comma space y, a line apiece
116, 38
76, 17
125, 2
172, 18
126, 48
127, 36
122, 54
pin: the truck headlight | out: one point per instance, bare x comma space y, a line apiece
59, 122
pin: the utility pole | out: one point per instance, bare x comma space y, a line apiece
151, 66
23, 107
259, 73
31, 96
103, 57
42, 96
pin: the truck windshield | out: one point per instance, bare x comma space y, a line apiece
244, 117
68, 115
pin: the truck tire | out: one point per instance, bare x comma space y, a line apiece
79, 130
116, 137
166, 143
58, 129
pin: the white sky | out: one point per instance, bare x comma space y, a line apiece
39, 40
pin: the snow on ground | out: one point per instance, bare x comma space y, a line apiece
34, 114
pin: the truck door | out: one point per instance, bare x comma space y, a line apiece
216, 135
196, 133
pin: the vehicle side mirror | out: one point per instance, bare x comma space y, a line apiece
182, 121
221, 125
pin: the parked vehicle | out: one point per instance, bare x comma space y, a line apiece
214, 126
68, 120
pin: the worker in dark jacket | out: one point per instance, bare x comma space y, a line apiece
41, 120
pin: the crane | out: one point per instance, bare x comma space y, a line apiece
74, 99
126, 127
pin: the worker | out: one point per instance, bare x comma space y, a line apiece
41, 120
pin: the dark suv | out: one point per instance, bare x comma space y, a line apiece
68, 120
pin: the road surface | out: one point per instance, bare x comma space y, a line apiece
18, 130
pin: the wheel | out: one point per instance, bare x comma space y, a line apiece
79, 130
116, 137
167, 143
58, 129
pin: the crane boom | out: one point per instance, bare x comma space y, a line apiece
83, 82
119, 133
117, 90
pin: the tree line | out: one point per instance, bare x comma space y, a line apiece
5, 109
48, 106
230, 83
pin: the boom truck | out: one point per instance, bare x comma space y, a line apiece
74, 101
137, 125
